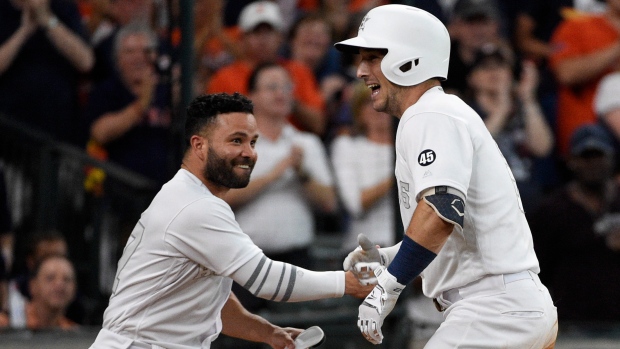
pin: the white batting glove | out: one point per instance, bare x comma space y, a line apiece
377, 305
364, 260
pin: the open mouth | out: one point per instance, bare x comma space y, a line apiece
374, 89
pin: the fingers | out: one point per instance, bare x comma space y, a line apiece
365, 243
364, 271
370, 330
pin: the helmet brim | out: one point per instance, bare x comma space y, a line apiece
353, 45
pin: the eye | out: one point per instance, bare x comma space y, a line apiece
237, 140
253, 143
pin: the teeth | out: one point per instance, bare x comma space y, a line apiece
244, 166
373, 86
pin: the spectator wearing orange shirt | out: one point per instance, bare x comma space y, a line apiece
261, 24
585, 49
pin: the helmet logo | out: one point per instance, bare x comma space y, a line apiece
364, 20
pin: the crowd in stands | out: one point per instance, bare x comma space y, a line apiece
104, 76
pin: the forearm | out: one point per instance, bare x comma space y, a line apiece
10, 49
375, 193
111, 126
71, 47
428, 229
239, 323
309, 118
239, 197
539, 135
283, 282
574, 71
322, 196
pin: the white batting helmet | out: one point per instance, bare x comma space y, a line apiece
418, 44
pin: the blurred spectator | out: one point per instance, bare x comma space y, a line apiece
607, 109
364, 167
576, 233
53, 288
292, 179
474, 25
43, 51
511, 112
39, 246
262, 38
129, 114
6, 247
584, 50
310, 43
215, 46
289, 184
119, 14
535, 22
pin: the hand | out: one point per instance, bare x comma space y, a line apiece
42, 11
364, 260
28, 24
354, 288
283, 338
378, 305
528, 82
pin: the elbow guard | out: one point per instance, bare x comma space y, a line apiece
448, 203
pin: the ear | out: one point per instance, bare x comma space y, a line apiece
199, 146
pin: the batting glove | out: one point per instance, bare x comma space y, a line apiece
377, 305
364, 260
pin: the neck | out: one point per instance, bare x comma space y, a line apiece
411, 95
382, 135
47, 317
270, 127
216, 190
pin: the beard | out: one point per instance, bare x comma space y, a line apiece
221, 171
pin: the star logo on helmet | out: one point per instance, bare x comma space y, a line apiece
364, 20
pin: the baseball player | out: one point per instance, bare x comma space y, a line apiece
465, 229
172, 286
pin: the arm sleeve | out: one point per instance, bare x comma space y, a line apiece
283, 282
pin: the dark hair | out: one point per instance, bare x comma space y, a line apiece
204, 109
43, 236
252, 81
43, 260
310, 17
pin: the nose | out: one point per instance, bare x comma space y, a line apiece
362, 69
248, 151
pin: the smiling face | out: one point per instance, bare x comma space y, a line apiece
385, 95
54, 284
230, 150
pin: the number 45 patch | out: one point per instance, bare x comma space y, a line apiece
426, 157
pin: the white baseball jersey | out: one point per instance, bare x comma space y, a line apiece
172, 282
281, 218
359, 164
441, 141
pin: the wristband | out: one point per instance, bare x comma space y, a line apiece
410, 261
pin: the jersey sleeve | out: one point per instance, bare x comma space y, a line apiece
438, 151
207, 233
